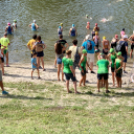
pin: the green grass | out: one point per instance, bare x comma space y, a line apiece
48, 109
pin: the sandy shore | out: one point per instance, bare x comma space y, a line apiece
21, 73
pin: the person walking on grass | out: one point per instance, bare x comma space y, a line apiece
1, 83
68, 70
112, 56
82, 64
34, 65
59, 49
103, 69
31, 43
118, 69
4, 41
39, 47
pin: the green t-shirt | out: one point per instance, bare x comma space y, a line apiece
4, 42
67, 63
118, 64
113, 57
83, 64
102, 66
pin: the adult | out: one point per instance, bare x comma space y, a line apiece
75, 55
124, 49
69, 71
1, 83
102, 72
72, 31
31, 43
90, 51
114, 41
9, 29
97, 41
4, 41
64, 44
34, 26
122, 33
59, 49
39, 47
14, 24
59, 30
96, 28
132, 44
106, 46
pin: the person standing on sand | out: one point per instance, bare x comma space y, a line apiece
34, 26
39, 47
64, 44
68, 70
34, 65
1, 83
103, 67
114, 41
132, 44
31, 43
4, 41
82, 64
59, 49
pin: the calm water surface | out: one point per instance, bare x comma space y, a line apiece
50, 13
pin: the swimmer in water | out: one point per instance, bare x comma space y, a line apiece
34, 26
88, 27
59, 30
86, 16
61, 24
14, 24
122, 33
72, 31
9, 29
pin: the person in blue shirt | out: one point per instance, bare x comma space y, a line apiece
59, 30
34, 26
72, 31
34, 65
90, 53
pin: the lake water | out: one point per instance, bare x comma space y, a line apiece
50, 13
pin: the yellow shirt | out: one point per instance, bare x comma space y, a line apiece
73, 49
31, 43
4, 43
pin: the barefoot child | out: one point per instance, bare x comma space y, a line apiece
118, 69
34, 66
83, 62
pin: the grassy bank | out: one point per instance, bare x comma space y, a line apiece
48, 109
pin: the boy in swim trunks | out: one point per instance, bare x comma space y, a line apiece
34, 65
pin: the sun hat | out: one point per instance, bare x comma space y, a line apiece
84, 51
88, 37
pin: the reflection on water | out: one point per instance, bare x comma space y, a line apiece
50, 13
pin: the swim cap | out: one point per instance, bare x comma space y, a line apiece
61, 24
84, 51
96, 33
116, 35
104, 37
15, 20
8, 24
73, 25
96, 24
119, 54
34, 21
59, 27
111, 50
86, 15
88, 22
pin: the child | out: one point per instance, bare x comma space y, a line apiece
34, 65
88, 27
14, 24
118, 69
83, 62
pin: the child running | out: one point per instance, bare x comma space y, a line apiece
82, 64
112, 56
34, 65
118, 69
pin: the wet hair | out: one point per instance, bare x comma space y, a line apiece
39, 38
35, 36
68, 52
61, 36
5, 34
75, 42
58, 48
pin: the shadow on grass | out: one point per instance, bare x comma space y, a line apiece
24, 97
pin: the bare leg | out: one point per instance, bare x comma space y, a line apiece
55, 61
62, 74
84, 81
91, 65
75, 87
1, 85
42, 61
106, 84
113, 78
2, 66
81, 81
38, 73
38, 61
67, 85
58, 71
124, 65
98, 85
7, 58
131, 53
32, 74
